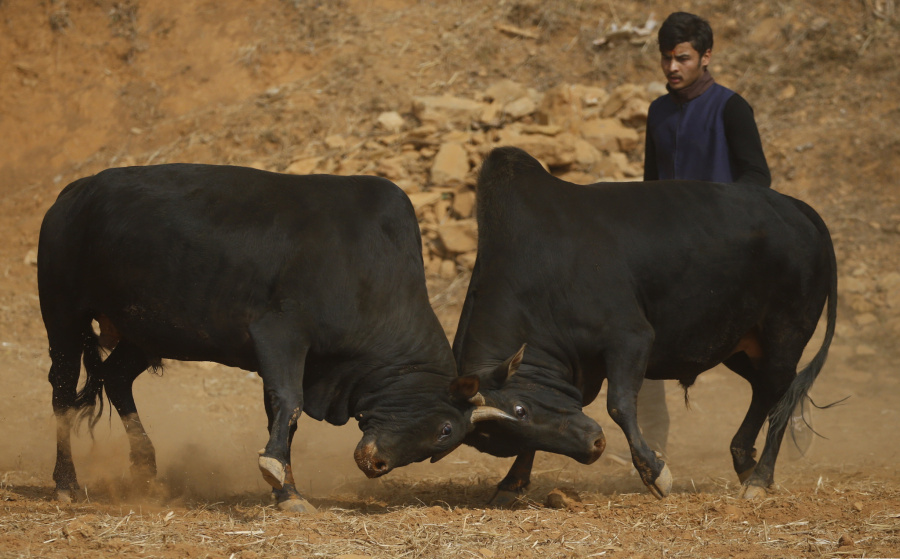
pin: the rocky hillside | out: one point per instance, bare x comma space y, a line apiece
419, 91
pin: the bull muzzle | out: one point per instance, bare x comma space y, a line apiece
596, 449
369, 461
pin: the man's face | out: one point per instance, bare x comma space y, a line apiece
683, 65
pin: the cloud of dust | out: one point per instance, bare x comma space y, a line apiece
207, 423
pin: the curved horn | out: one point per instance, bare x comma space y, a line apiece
477, 399
486, 413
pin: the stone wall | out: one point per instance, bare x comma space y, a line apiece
433, 151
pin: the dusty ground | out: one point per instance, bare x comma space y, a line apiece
90, 84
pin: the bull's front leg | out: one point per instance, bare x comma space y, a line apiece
281, 365
626, 367
516, 481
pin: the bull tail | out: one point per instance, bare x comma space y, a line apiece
89, 401
799, 388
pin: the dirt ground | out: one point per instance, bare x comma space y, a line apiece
90, 84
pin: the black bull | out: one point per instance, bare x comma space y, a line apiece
315, 282
621, 282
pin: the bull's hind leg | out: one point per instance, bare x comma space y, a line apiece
773, 386
281, 363
65, 368
743, 453
121, 368
770, 377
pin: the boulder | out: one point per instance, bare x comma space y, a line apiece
448, 269
610, 135
555, 151
567, 105
303, 166
464, 203
391, 121
451, 165
505, 91
391, 168
446, 111
520, 108
459, 236
423, 200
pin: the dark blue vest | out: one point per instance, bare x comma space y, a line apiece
690, 138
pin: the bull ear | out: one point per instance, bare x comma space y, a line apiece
509, 367
462, 389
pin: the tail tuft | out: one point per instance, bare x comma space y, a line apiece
88, 401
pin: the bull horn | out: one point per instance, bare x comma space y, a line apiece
486, 413
477, 399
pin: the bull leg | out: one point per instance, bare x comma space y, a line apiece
763, 475
626, 366
281, 362
65, 368
515, 482
743, 453
120, 369
287, 492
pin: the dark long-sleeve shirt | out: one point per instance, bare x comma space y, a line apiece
690, 140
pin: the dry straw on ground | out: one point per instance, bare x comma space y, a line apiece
849, 520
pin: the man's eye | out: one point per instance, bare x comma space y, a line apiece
520, 412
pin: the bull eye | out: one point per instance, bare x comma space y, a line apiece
520, 412
446, 431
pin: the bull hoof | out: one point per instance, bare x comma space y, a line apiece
297, 505
504, 499
272, 471
750, 492
662, 485
64, 496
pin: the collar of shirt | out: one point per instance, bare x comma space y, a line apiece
696, 89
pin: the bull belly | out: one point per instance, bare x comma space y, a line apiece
230, 347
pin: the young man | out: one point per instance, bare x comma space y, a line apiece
700, 131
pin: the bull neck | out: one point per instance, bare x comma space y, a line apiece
691, 92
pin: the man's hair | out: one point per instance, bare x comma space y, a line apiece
682, 27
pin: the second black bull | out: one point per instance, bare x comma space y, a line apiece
621, 282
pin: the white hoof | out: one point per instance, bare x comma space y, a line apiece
272, 471
749, 492
297, 505
662, 485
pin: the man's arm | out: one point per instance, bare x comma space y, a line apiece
748, 159
651, 173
